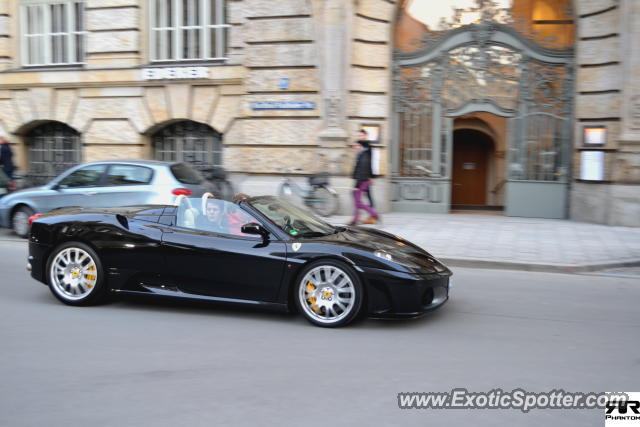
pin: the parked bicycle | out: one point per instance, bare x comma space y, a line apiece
317, 194
222, 186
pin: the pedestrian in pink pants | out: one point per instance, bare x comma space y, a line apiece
362, 174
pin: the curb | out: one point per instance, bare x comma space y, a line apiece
544, 268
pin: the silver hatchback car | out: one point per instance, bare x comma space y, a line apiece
104, 184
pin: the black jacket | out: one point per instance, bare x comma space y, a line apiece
6, 160
362, 170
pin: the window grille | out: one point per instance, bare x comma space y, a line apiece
52, 148
190, 142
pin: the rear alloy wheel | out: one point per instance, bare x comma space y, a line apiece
75, 274
20, 220
329, 294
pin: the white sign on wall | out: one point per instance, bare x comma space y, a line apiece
592, 165
170, 73
375, 161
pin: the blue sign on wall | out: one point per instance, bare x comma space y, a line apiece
283, 105
283, 83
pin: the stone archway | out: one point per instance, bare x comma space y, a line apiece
51, 147
188, 141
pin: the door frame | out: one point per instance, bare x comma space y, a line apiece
491, 148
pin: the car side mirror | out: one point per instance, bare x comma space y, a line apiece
255, 228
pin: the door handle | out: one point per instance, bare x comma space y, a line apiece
457, 185
90, 193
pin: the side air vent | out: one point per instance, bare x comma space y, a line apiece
123, 221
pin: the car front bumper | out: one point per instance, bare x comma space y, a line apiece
393, 294
37, 259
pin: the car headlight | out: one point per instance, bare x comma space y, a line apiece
398, 260
384, 255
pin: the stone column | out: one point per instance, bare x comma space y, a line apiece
631, 73
333, 36
627, 163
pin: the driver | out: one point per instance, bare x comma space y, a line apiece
236, 217
214, 219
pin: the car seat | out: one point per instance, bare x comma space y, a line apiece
206, 196
187, 214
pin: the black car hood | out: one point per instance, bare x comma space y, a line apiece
372, 240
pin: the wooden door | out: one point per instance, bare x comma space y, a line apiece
469, 176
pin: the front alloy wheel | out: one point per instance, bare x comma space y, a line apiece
329, 294
75, 274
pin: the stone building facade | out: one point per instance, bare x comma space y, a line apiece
607, 94
260, 86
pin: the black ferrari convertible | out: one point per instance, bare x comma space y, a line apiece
261, 251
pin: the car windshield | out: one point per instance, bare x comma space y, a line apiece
292, 220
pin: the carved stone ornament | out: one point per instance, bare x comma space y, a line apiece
333, 111
482, 33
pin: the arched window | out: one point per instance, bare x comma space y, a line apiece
52, 148
191, 142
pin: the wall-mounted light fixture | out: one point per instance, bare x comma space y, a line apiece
594, 136
373, 132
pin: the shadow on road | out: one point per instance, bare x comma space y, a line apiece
195, 307
215, 309
41, 295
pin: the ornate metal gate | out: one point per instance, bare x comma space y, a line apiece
52, 148
484, 67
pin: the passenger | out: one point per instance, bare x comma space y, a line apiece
214, 219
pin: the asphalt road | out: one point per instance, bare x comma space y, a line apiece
150, 363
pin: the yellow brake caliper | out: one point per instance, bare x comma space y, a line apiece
310, 299
90, 275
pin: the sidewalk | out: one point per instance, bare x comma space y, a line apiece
497, 241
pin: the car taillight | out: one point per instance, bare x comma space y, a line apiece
182, 192
34, 217
12, 186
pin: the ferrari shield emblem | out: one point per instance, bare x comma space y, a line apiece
296, 246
